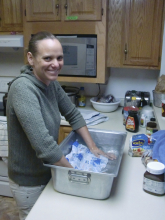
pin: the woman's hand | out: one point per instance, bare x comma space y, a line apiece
84, 133
97, 152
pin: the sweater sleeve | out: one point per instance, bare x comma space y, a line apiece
29, 114
69, 110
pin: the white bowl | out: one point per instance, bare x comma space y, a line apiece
104, 107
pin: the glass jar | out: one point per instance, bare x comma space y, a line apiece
151, 127
153, 182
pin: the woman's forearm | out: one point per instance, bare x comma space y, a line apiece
63, 163
84, 133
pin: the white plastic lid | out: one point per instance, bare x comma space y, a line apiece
155, 168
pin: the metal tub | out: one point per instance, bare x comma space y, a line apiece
85, 183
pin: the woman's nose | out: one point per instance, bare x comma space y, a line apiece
55, 63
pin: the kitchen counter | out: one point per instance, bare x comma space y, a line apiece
127, 200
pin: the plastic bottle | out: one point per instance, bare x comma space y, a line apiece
143, 121
132, 122
82, 98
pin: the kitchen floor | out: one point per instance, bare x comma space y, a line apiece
8, 209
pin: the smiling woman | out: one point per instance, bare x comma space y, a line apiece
34, 119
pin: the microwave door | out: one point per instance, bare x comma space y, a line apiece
74, 59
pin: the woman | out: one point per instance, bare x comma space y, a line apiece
35, 101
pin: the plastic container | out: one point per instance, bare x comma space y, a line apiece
153, 181
82, 98
143, 121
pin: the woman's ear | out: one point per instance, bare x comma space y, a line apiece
30, 58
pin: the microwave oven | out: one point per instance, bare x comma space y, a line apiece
80, 55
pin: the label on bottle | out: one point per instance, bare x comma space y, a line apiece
141, 121
153, 186
130, 124
82, 102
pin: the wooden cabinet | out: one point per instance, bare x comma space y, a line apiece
68, 10
135, 33
63, 133
49, 10
82, 10
78, 17
11, 18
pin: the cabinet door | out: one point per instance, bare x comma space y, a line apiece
83, 10
49, 10
63, 133
11, 18
142, 32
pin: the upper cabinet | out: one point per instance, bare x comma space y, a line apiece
135, 33
11, 18
70, 17
49, 10
68, 10
83, 10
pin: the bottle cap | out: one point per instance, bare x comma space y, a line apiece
152, 119
155, 168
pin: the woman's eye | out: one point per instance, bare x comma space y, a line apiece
60, 58
47, 58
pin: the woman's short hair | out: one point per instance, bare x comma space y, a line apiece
32, 47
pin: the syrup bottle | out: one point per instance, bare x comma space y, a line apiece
132, 122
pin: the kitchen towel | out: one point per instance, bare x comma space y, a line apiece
81, 158
3, 137
92, 117
159, 146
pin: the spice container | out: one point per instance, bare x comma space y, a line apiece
132, 122
153, 182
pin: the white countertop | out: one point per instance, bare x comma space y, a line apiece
127, 200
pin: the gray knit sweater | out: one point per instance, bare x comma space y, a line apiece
33, 119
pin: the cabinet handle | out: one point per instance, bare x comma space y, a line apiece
125, 51
57, 7
66, 7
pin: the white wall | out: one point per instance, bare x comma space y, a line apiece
121, 80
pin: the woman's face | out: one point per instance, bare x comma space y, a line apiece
48, 61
